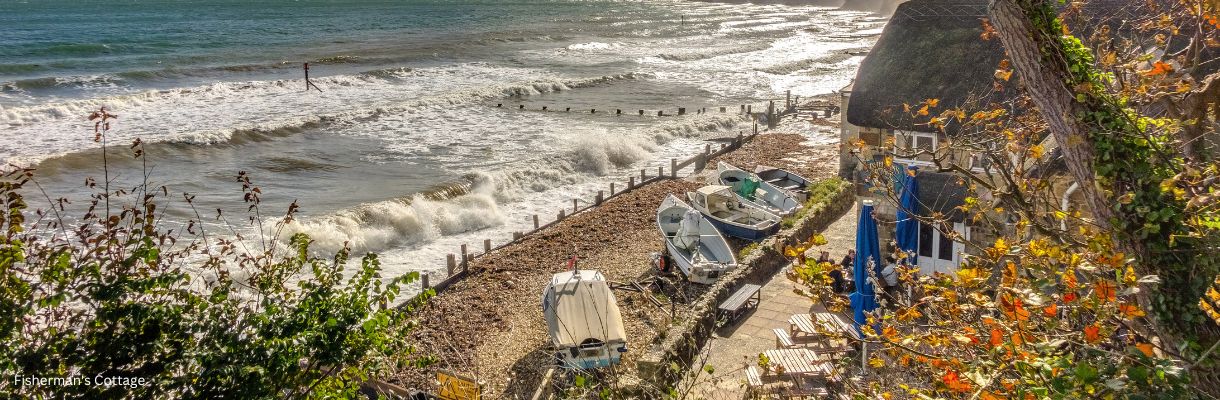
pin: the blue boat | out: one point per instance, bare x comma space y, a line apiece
750, 188
731, 215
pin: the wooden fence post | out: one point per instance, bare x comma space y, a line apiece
450, 263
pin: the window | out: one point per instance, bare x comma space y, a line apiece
925, 240
945, 248
980, 162
910, 142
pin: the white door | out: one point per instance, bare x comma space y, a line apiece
936, 252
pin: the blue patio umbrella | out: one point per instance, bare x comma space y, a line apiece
867, 252
907, 232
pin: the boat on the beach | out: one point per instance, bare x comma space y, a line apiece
583, 320
788, 181
693, 242
752, 189
731, 215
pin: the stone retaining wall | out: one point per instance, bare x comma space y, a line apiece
683, 341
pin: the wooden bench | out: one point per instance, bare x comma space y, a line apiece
754, 383
745, 298
782, 339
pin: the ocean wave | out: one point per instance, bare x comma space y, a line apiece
700, 55
416, 219
595, 46
601, 155
242, 132
825, 63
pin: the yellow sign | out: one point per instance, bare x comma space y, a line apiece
457, 387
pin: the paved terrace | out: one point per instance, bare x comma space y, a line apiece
737, 346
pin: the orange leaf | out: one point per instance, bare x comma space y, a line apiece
997, 337
1159, 68
1145, 348
1092, 333
1069, 297
1051, 310
1105, 291
1130, 310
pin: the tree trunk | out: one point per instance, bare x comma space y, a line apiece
1045, 79
1040, 63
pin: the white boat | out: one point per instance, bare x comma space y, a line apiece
731, 215
788, 181
583, 320
750, 188
693, 242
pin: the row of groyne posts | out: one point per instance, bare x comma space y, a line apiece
456, 264
770, 116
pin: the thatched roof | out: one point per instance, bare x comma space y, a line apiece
920, 57
934, 49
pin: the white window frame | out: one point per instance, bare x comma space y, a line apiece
912, 138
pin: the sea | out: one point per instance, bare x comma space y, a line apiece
415, 140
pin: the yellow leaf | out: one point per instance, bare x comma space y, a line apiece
1003, 74
923, 110
933, 102
876, 362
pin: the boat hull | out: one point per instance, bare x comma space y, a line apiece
744, 232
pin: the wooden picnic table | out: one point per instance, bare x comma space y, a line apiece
839, 323
802, 323
799, 362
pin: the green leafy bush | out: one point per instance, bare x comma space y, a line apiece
114, 305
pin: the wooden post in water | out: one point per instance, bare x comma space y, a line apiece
516, 236
643, 177
450, 263
498, 105
593, 111
641, 112
424, 281
787, 100
612, 188
575, 207
673, 167
630, 182
598, 200
722, 110
521, 107
486, 246
618, 111
569, 109
543, 108
661, 113
743, 108
561, 216
535, 221
660, 172
465, 255
681, 110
